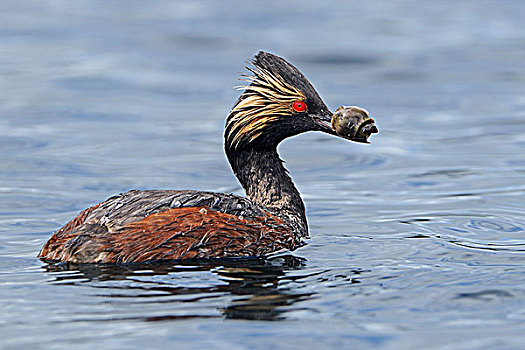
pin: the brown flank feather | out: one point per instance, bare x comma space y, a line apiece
178, 233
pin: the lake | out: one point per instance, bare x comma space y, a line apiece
417, 239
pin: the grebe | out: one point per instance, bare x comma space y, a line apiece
140, 226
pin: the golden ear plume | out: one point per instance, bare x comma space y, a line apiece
265, 100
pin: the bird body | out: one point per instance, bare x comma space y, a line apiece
140, 226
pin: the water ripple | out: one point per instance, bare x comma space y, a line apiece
474, 230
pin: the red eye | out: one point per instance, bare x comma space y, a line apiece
299, 106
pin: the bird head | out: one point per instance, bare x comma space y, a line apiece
279, 102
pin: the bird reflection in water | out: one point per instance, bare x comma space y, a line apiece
255, 284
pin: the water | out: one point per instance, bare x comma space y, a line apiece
418, 239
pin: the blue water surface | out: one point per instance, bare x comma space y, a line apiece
418, 239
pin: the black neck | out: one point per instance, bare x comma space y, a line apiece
266, 181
